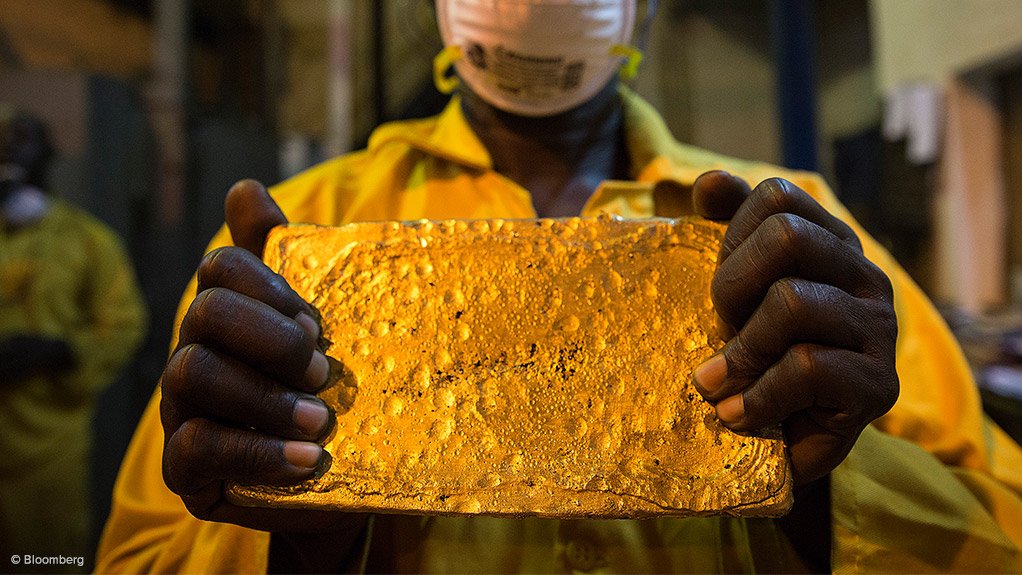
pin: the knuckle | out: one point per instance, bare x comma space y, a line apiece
213, 264
722, 292
878, 322
212, 302
220, 266
189, 369
208, 306
882, 281
775, 194
849, 235
184, 456
787, 232
193, 442
741, 363
802, 358
789, 297
887, 319
175, 373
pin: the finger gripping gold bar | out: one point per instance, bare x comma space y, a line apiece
522, 368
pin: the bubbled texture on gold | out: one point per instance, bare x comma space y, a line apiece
537, 367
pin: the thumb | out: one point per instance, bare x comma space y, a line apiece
251, 214
717, 195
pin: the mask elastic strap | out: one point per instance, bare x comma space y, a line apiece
632, 56
441, 66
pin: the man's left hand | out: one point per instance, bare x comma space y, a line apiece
26, 355
812, 319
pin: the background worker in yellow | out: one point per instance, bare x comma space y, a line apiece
826, 324
71, 316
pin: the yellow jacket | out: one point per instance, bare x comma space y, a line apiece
65, 277
932, 486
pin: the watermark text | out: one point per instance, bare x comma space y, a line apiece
47, 560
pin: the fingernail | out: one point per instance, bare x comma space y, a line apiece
713, 173
318, 371
311, 416
710, 375
732, 409
325, 461
309, 324
303, 454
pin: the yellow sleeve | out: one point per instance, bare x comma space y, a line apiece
115, 321
897, 508
934, 485
149, 528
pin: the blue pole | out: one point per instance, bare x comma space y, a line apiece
794, 56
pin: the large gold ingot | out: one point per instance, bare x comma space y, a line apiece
522, 368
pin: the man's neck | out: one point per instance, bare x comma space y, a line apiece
560, 159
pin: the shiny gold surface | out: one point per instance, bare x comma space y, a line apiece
522, 368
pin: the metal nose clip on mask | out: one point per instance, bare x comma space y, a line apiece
535, 57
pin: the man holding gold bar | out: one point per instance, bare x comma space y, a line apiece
823, 330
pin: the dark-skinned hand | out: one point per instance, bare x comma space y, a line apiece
811, 335
24, 355
238, 403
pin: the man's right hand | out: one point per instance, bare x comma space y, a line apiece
238, 403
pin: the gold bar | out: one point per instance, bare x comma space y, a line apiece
522, 368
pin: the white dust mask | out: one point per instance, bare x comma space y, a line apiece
535, 57
25, 205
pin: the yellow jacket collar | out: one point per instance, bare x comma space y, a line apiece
449, 136
446, 136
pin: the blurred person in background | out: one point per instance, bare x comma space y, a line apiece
71, 316
827, 329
